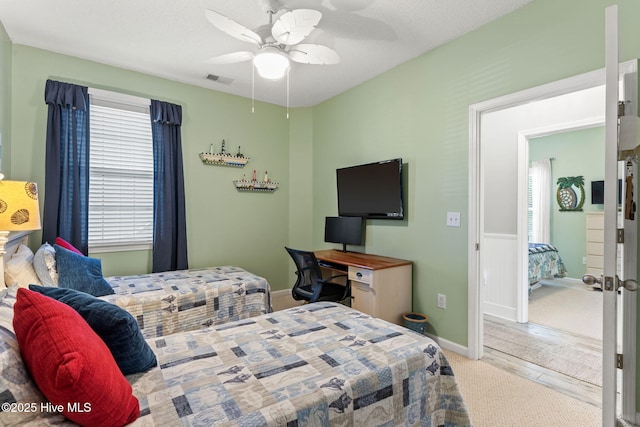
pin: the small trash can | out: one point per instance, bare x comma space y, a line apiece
415, 321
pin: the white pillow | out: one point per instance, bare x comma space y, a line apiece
19, 270
44, 263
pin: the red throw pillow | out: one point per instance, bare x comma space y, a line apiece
61, 242
71, 365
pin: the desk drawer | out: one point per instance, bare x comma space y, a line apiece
361, 275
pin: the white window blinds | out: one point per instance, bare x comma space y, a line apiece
121, 173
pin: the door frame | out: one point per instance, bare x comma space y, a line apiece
476, 216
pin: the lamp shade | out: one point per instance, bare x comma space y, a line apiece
19, 209
271, 63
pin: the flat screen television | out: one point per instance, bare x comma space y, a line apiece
372, 190
347, 230
597, 192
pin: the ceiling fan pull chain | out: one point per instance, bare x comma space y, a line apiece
288, 72
253, 89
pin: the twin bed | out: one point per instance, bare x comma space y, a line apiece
317, 365
544, 263
178, 301
222, 361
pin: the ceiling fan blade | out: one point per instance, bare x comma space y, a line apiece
295, 25
314, 54
230, 58
232, 28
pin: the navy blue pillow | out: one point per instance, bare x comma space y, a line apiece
117, 328
81, 273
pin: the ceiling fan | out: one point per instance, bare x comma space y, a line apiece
277, 43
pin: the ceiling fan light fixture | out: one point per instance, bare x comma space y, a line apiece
271, 63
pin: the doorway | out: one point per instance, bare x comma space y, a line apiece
500, 232
549, 349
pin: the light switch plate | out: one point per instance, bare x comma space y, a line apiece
453, 219
442, 301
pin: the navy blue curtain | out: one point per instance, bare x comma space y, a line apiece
169, 218
66, 196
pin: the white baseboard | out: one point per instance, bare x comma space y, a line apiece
501, 311
567, 281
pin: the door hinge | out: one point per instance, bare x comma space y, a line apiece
620, 235
619, 361
477, 246
620, 108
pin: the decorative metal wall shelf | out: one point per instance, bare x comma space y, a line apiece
223, 158
259, 186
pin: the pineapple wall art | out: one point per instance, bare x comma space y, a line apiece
570, 194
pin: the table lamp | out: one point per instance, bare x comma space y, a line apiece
19, 211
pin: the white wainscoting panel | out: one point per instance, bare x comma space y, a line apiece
500, 256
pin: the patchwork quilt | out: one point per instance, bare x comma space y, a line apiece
544, 262
184, 300
316, 365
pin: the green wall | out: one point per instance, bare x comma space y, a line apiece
5, 98
574, 153
301, 185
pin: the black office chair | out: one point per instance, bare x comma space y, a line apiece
310, 286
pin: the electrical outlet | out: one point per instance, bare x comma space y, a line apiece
442, 301
453, 219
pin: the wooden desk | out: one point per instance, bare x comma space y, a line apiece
380, 286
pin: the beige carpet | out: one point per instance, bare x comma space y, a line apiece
577, 361
575, 310
497, 398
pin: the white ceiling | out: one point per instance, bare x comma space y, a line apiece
172, 38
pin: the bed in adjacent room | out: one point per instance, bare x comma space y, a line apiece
544, 263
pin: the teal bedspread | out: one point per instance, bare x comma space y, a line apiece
544, 263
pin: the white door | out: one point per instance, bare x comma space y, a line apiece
610, 295
610, 281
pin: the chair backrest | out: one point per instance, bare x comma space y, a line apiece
308, 270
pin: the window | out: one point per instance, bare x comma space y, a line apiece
120, 173
540, 201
